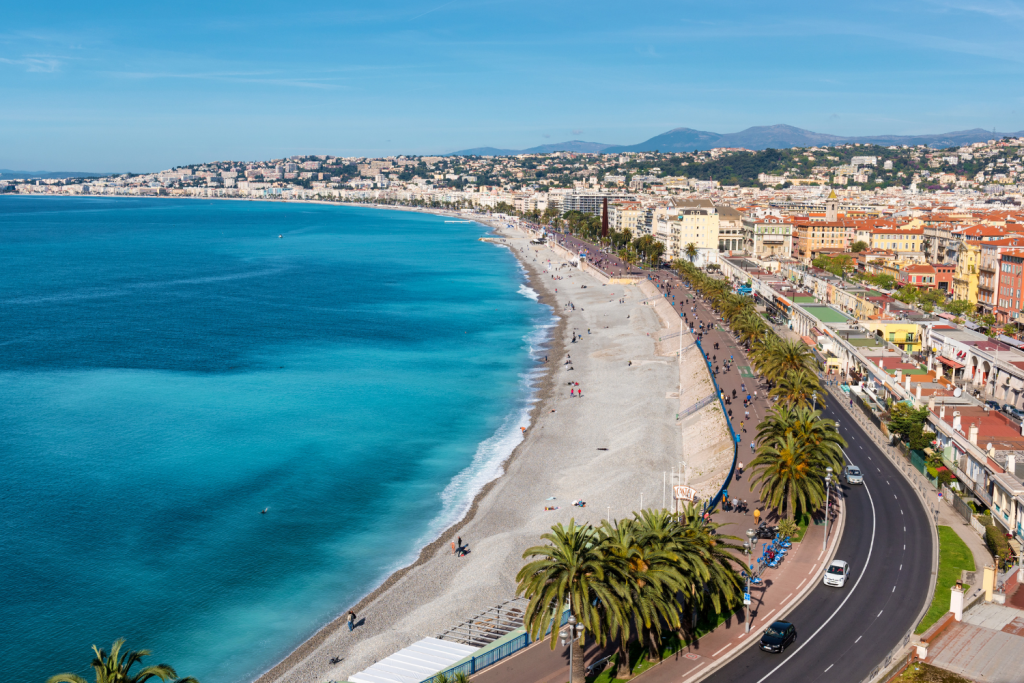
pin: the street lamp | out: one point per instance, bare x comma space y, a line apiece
749, 546
828, 482
569, 634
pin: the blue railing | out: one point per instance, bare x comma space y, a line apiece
506, 649
717, 498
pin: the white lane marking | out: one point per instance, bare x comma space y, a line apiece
901, 567
811, 571
719, 652
801, 583
878, 468
787, 597
829, 667
893, 590
904, 529
858, 640
880, 614
871, 548
887, 482
901, 511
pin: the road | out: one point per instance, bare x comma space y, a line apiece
843, 633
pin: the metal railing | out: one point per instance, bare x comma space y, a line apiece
894, 655
717, 498
494, 655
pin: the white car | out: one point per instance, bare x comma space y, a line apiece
836, 574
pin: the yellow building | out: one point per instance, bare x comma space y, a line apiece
905, 335
965, 279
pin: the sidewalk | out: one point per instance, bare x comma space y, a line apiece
783, 589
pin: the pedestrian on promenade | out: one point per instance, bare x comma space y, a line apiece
747, 414
757, 515
751, 446
351, 620
739, 467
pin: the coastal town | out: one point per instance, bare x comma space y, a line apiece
892, 275
915, 248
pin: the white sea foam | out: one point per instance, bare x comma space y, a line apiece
529, 292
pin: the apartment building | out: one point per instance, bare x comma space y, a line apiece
1008, 289
768, 237
730, 228
685, 222
813, 238
965, 278
626, 216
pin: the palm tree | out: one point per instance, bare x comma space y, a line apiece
116, 668
787, 356
723, 588
819, 435
796, 389
791, 476
691, 251
454, 678
573, 571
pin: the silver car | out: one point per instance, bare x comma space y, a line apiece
852, 475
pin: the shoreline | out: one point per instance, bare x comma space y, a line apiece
607, 451
544, 391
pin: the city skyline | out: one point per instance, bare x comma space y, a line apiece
130, 89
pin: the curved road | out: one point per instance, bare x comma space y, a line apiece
843, 633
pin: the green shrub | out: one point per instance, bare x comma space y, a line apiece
995, 539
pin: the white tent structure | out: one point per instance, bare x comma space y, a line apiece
416, 663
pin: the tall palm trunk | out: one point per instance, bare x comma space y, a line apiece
578, 670
622, 668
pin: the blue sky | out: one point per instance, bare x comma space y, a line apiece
144, 86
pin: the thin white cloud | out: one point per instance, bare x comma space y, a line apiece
230, 77
37, 64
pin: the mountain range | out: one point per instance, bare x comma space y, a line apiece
778, 136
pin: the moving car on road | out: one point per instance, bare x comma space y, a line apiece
836, 574
853, 475
778, 636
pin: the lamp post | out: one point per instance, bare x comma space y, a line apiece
828, 483
750, 545
569, 634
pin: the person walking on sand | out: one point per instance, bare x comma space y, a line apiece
351, 620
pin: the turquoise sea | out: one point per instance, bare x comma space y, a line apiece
170, 368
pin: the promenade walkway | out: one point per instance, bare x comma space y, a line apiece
782, 588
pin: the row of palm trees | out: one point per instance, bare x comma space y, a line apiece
635, 578
795, 445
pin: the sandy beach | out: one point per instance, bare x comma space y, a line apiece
608, 448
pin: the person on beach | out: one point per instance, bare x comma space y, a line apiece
351, 620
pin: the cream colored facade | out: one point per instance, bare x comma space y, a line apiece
626, 216
687, 222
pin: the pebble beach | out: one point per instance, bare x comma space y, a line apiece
612, 448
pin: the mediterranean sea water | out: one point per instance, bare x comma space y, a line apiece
170, 368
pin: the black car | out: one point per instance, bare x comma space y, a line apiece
778, 636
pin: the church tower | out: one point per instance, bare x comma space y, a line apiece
832, 207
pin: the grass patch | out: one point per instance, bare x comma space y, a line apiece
919, 672
954, 557
802, 522
671, 644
